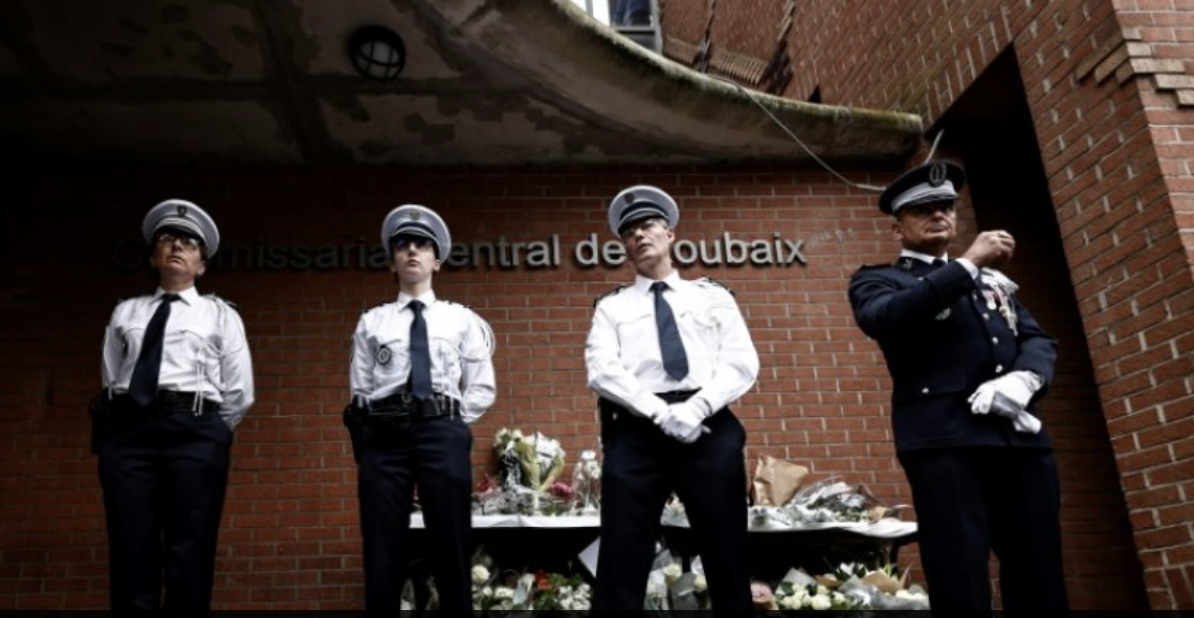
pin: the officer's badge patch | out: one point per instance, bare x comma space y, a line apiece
384, 355
938, 174
182, 211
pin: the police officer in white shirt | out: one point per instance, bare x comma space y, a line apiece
177, 380
421, 372
667, 356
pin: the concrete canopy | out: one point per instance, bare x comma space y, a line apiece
485, 82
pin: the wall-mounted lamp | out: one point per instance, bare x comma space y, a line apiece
377, 53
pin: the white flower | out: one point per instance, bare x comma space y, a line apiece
517, 435
821, 601
581, 605
839, 598
700, 584
583, 589
909, 596
502, 593
480, 574
789, 602
656, 588
486, 592
672, 572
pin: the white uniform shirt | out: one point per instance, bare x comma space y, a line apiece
625, 364
203, 350
460, 345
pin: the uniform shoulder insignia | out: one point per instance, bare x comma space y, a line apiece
609, 293
220, 300
707, 282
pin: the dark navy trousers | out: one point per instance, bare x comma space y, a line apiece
642, 467
970, 502
164, 479
433, 455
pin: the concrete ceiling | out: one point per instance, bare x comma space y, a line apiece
485, 82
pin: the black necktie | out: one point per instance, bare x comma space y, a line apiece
420, 354
938, 263
675, 361
143, 386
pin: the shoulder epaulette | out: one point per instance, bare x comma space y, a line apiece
609, 293
212, 297
709, 282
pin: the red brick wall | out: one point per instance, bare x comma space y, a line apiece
751, 28
686, 19
290, 537
1116, 156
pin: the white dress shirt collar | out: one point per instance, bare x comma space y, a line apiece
189, 295
924, 257
427, 298
643, 284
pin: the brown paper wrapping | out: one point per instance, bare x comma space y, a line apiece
776, 481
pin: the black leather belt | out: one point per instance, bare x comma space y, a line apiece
166, 403
677, 396
403, 408
611, 411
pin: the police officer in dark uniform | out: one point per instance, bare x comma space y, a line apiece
667, 356
421, 372
968, 364
177, 379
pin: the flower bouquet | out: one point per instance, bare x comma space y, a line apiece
669, 588
533, 462
850, 587
528, 467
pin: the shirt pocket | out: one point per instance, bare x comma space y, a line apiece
128, 348
391, 359
203, 349
698, 328
445, 364
638, 338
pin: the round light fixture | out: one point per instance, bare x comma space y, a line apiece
377, 53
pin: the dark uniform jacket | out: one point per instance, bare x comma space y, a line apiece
941, 340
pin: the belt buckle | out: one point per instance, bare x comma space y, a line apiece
429, 408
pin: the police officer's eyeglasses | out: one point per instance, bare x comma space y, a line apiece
188, 242
401, 243
645, 225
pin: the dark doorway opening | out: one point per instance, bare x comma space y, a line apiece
990, 128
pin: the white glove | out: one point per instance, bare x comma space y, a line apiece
1026, 423
682, 422
1007, 396
656, 409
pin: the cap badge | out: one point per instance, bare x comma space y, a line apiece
415, 215
629, 198
182, 211
938, 174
